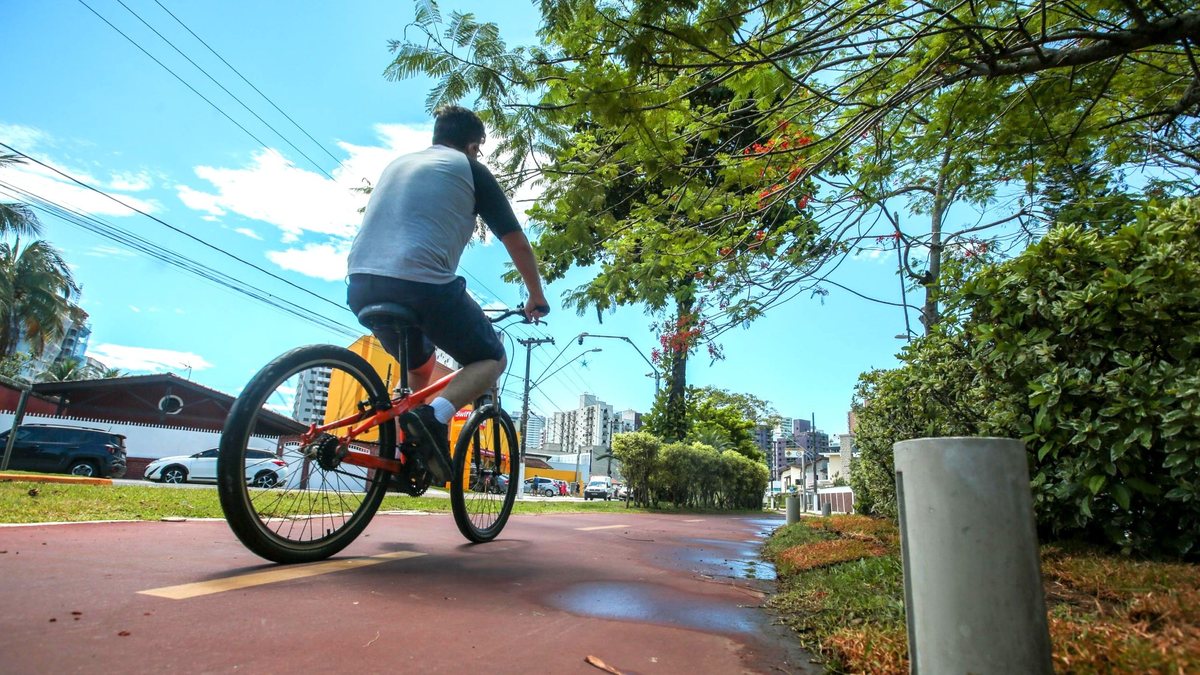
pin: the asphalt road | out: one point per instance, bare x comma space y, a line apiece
640, 593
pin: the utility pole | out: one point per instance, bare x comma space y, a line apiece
812, 440
529, 344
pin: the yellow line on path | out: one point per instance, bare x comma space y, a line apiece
600, 527
185, 591
695, 520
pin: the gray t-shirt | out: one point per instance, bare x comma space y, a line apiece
422, 214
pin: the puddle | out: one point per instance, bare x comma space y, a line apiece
723, 558
654, 604
765, 526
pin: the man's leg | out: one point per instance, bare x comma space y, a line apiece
472, 381
419, 378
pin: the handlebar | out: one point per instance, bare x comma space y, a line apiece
520, 311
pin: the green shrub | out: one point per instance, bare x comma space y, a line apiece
1087, 347
1095, 342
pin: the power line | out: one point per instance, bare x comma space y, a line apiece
175, 229
231, 94
177, 260
185, 83
250, 84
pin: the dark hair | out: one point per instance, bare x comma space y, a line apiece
457, 126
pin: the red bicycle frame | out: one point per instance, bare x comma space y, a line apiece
359, 425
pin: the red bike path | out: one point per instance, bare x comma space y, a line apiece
640, 593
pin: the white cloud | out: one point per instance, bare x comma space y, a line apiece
199, 201
131, 182
247, 232
323, 261
296, 200
145, 359
302, 202
39, 182
135, 309
21, 137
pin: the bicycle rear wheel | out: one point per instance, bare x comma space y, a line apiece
484, 484
318, 503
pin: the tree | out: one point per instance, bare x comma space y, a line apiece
638, 453
67, 369
35, 288
717, 418
680, 129
17, 218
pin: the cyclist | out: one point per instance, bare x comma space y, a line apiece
420, 217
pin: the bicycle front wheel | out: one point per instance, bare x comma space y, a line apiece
484, 485
313, 504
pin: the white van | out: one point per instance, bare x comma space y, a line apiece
599, 487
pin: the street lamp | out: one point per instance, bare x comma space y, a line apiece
631, 344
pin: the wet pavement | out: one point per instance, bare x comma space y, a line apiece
645, 593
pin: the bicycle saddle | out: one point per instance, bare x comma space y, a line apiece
386, 315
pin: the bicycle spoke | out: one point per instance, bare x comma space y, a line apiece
321, 503
484, 483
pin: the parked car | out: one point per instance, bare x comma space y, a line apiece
498, 484
623, 492
263, 468
598, 489
540, 486
80, 451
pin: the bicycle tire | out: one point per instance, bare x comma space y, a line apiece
319, 506
483, 452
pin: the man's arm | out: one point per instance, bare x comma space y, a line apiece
522, 256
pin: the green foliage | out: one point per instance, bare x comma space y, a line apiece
11, 365
715, 417
638, 453
689, 474
35, 288
1095, 341
731, 149
1087, 347
74, 369
933, 394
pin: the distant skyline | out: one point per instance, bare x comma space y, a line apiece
208, 242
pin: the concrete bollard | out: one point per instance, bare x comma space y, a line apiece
972, 580
793, 509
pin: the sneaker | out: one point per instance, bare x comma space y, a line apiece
432, 441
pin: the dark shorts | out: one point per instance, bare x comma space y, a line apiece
447, 317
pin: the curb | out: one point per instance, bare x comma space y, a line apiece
42, 478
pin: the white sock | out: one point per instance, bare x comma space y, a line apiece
443, 409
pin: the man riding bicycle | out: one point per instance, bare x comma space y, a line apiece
418, 221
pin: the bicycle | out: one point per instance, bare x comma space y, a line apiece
339, 471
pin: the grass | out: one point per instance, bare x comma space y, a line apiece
36, 502
841, 589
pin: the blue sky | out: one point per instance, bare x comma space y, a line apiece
248, 206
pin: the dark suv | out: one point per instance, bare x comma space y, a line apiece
75, 450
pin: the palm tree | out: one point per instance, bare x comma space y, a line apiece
35, 288
14, 217
67, 370
712, 436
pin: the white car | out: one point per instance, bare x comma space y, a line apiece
263, 468
598, 489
